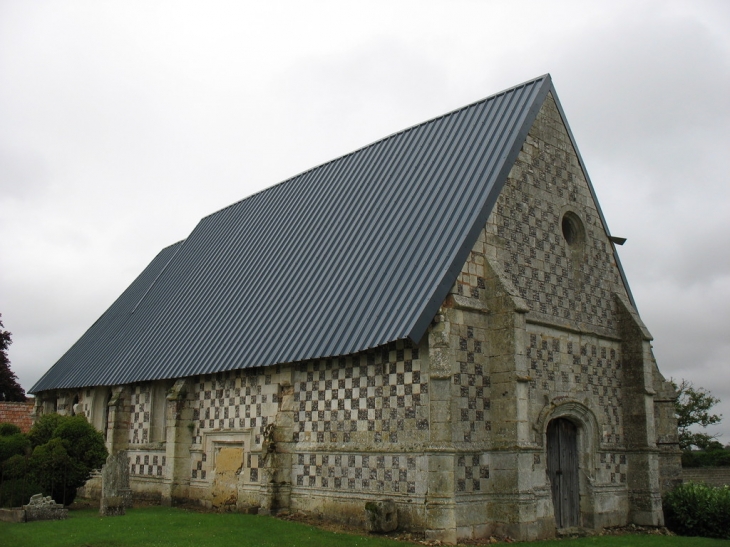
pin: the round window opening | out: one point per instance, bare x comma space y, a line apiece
572, 229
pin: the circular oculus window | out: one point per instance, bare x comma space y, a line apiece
572, 227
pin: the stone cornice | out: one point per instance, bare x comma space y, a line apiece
536, 318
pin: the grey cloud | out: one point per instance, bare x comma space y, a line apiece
22, 174
120, 132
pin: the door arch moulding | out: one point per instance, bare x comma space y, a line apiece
588, 446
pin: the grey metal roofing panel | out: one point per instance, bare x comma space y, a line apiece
108, 327
350, 255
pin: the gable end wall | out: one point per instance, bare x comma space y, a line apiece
554, 346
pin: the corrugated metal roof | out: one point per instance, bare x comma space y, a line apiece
98, 342
350, 255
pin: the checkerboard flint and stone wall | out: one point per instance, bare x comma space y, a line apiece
373, 407
242, 400
580, 367
568, 287
355, 421
369, 473
588, 369
140, 415
472, 385
85, 401
472, 473
525, 227
146, 463
379, 396
469, 337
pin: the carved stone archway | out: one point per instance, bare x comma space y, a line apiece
587, 441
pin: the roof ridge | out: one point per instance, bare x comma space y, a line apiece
162, 270
545, 76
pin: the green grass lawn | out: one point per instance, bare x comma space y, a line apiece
634, 541
170, 527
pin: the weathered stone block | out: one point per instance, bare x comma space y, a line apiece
113, 506
44, 508
441, 411
115, 492
381, 516
12, 515
440, 390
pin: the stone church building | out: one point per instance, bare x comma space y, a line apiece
439, 319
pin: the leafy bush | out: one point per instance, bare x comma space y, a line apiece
12, 441
43, 428
82, 442
17, 492
694, 509
7, 429
65, 450
10, 445
15, 467
56, 472
690, 458
14, 450
17, 485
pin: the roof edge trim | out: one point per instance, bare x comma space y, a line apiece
595, 199
450, 275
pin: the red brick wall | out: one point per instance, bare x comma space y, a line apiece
18, 414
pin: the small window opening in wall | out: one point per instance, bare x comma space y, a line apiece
107, 399
572, 229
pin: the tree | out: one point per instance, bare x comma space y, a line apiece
693, 406
43, 428
66, 449
15, 488
10, 389
55, 458
12, 442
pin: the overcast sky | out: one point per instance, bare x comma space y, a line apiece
123, 123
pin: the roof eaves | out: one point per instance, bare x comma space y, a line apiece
113, 318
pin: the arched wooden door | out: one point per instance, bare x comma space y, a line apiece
562, 468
